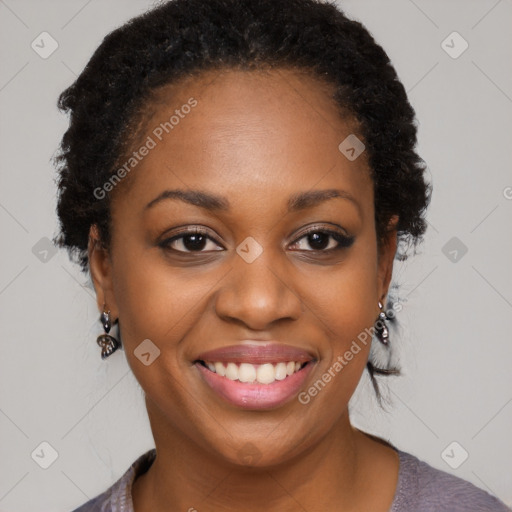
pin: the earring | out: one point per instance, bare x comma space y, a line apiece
108, 343
381, 329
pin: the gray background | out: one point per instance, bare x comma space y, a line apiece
455, 345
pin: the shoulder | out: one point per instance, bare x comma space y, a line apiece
101, 503
118, 497
424, 488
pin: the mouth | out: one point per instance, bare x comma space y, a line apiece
266, 373
255, 376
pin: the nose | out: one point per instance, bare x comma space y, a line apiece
258, 294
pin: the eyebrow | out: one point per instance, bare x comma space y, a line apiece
212, 202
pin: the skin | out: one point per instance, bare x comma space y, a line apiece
256, 138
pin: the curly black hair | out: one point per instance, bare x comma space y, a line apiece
181, 38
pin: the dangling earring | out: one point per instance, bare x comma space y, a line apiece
381, 329
108, 343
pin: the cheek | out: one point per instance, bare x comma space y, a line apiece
152, 299
345, 304
153, 305
163, 303
345, 297
159, 302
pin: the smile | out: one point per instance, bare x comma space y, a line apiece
261, 373
252, 376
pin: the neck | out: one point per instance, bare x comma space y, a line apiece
184, 476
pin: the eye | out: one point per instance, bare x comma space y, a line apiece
191, 240
323, 240
197, 239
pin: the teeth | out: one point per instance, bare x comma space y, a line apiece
247, 373
262, 373
219, 368
266, 373
232, 371
281, 371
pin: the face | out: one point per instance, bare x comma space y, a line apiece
251, 269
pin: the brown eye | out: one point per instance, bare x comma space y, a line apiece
189, 241
324, 240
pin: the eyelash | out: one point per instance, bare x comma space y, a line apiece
344, 242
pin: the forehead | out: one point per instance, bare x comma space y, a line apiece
244, 134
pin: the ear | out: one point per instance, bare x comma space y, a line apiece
101, 272
386, 256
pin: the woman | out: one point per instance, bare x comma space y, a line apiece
237, 177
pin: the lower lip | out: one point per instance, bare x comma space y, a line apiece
255, 395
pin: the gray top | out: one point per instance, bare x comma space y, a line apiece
420, 488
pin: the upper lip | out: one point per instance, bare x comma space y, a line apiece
253, 353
